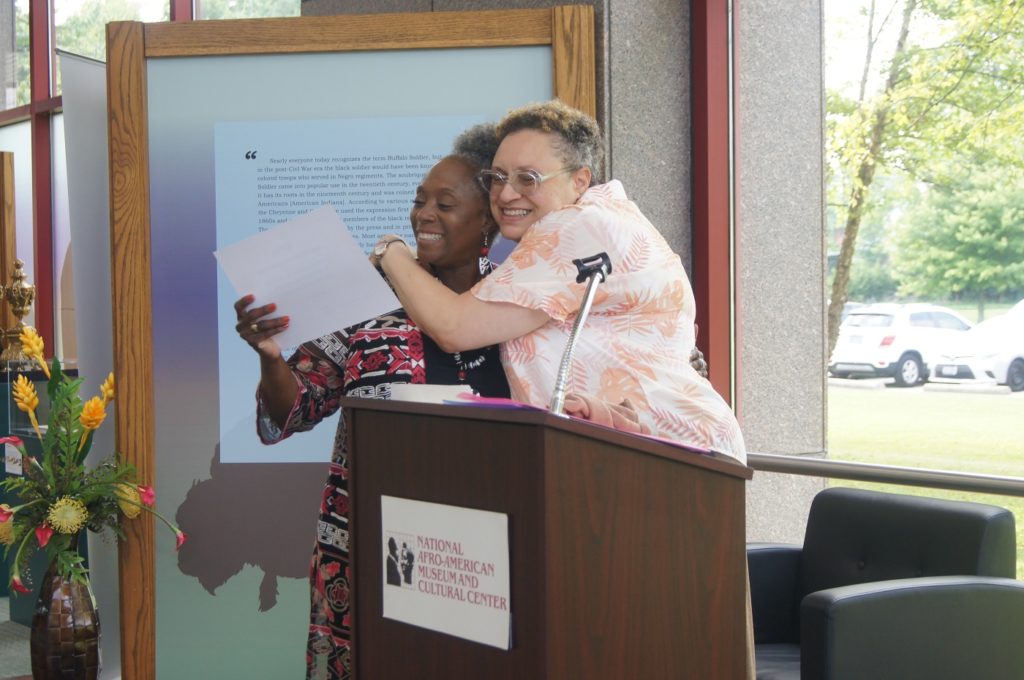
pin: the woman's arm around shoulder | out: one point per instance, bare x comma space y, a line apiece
456, 322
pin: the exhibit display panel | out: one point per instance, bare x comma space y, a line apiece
194, 141
374, 105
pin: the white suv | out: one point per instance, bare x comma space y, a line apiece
893, 340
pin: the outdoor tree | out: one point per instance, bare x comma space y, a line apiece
966, 240
871, 279
84, 31
949, 87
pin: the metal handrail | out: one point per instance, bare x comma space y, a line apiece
889, 474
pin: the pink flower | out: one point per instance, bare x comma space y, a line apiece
180, 539
147, 495
5, 513
13, 440
18, 585
43, 533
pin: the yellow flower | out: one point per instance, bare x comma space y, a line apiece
68, 515
7, 527
33, 347
25, 394
107, 389
91, 417
26, 399
128, 492
93, 414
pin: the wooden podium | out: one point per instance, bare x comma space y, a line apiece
627, 555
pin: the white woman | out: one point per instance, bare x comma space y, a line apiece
636, 342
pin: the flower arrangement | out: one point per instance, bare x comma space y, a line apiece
58, 496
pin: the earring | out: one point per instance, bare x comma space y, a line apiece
485, 262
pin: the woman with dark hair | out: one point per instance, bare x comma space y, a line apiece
544, 194
453, 228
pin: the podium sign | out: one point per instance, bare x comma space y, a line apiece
626, 554
446, 569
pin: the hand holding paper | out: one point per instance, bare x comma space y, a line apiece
313, 270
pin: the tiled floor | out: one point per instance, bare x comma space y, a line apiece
14, 658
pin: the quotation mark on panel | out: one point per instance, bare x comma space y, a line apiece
250, 155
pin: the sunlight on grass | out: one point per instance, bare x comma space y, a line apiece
960, 431
943, 430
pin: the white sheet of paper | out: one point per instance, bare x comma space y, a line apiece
314, 271
428, 394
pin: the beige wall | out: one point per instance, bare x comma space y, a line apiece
644, 106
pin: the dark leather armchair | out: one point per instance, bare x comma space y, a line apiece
889, 586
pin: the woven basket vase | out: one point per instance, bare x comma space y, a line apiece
65, 640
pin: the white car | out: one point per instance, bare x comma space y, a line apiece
992, 351
899, 341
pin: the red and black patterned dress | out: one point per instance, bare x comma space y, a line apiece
361, 361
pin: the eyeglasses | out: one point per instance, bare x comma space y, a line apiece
524, 182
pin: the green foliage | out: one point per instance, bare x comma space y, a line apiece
59, 473
966, 240
20, 56
57, 495
953, 92
872, 280
85, 32
963, 96
957, 90
70, 563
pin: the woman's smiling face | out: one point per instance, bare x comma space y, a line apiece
449, 216
532, 150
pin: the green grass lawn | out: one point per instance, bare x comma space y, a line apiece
962, 431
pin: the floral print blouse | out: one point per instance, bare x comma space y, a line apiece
637, 339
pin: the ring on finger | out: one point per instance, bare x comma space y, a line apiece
255, 327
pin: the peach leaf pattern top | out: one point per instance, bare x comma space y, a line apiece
636, 342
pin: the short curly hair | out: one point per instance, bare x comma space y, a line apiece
477, 145
578, 138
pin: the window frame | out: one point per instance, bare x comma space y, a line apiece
40, 111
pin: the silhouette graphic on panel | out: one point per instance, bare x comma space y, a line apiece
406, 563
250, 514
394, 577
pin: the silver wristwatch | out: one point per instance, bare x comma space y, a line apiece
382, 248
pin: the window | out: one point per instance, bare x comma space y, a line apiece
924, 188
948, 321
869, 320
14, 66
80, 25
246, 9
922, 319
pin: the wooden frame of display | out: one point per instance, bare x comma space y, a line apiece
568, 30
8, 252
